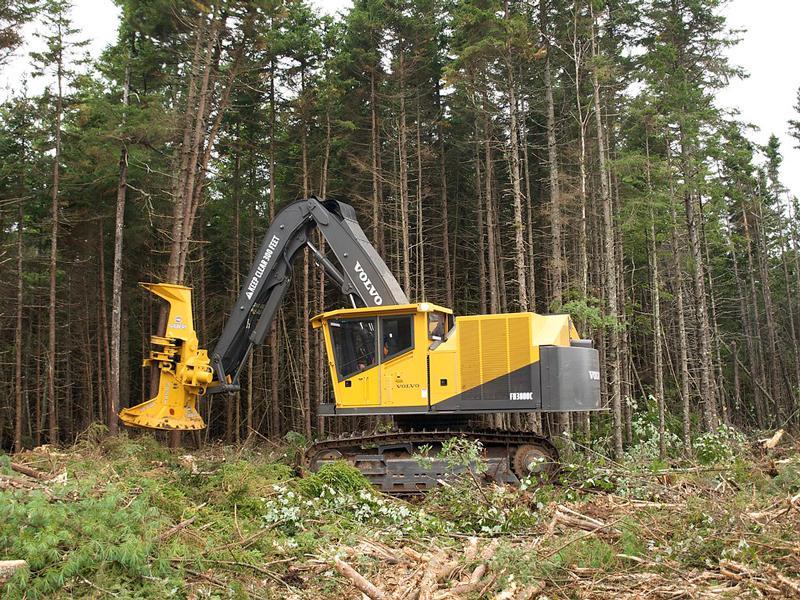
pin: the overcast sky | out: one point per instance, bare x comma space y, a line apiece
769, 52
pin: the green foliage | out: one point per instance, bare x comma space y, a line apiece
67, 541
338, 476
644, 425
722, 446
339, 499
101, 528
794, 124
589, 311
788, 480
491, 510
463, 453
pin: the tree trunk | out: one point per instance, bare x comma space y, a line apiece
448, 274
377, 221
774, 359
274, 341
494, 300
793, 330
757, 367
610, 275
481, 211
583, 254
320, 303
18, 333
420, 241
529, 214
720, 377
116, 284
234, 400
103, 321
707, 391
556, 277
749, 336
306, 399
184, 168
402, 157
516, 186
683, 343
51, 348
658, 368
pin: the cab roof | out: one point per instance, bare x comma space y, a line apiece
370, 311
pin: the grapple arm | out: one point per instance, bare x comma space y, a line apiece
186, 371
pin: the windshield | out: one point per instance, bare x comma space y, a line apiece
353, 345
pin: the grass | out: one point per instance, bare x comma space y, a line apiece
260, 531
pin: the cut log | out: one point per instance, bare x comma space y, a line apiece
358, 580
475, 583
25, 470
9, 567
413, 554
770, 443
472, 549
8, 482
530, 591
427, 586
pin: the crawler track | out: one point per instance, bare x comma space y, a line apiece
390, 460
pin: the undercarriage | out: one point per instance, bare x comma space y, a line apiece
409, 461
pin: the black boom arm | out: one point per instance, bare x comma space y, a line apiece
365, 278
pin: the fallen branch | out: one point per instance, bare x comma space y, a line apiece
249, 540
570, 518
25, 470
358, 580
472, 549
175, 529
573, 540
413, 554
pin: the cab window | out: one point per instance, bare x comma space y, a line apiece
437, 326
353, 345
398, 335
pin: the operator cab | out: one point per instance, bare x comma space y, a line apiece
377, 356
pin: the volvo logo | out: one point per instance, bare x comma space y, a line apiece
362, 275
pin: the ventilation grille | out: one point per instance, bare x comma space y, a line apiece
469, 353
492, 346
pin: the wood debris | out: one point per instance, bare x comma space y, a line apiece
7, 482
361, 582
570, 518
9, 567
772, 442
438, 574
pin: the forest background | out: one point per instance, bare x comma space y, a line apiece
503, 156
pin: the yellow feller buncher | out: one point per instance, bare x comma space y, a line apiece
431, 371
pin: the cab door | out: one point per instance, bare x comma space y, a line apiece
355, 351
403, 370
